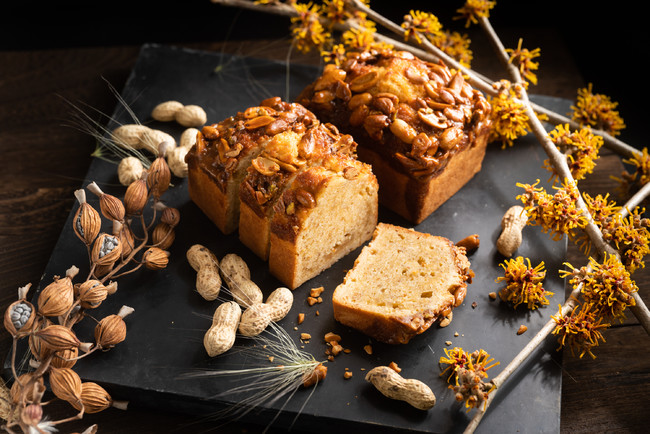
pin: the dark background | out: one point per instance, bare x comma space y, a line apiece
608, 42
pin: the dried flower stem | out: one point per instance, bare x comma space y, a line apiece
559, 162
521, 357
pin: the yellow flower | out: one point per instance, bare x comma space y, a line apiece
336, 55
523, 283
363, 38
598, 111
335, 11
306, 28
557, 214
607, 288
630, 183
472, 10
469, 371
509, 119
523, 58
454, 45
631, 237
580, 147
418, 22
580, 330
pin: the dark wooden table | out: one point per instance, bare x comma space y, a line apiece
43, 161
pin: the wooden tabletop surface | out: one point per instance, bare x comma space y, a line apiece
43, 162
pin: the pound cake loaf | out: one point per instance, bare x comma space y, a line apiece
282, 178
419, 124
402, 282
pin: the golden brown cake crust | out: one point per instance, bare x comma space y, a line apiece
414, 118
326, 212
276, 170
386, 304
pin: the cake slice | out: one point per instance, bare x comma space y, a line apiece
218, 162
326, 212
284, 156
402, 282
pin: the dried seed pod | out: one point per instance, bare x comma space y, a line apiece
163, 236
94, 398
32, 414
66, 358
103, 270
170, 215
36, 346
159, 175
57, 338
110, 331
91, 293
65, 384
19, 317
106, 250
112, 208
27, 387
86, 222
57, 297
155, 258
125, 238
129, 170
135, 197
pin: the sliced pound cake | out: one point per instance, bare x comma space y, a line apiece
402, 282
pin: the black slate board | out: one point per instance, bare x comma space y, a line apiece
165, 333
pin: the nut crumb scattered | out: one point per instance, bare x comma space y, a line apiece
347, 375
447, 320
271, 358
493, 295
313, 300
522, 329
301, 318
347, 351
305, 336
394, 367
456, 334
316, 292
368, 349
448, 343
317, 313
474, 304
332, 337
